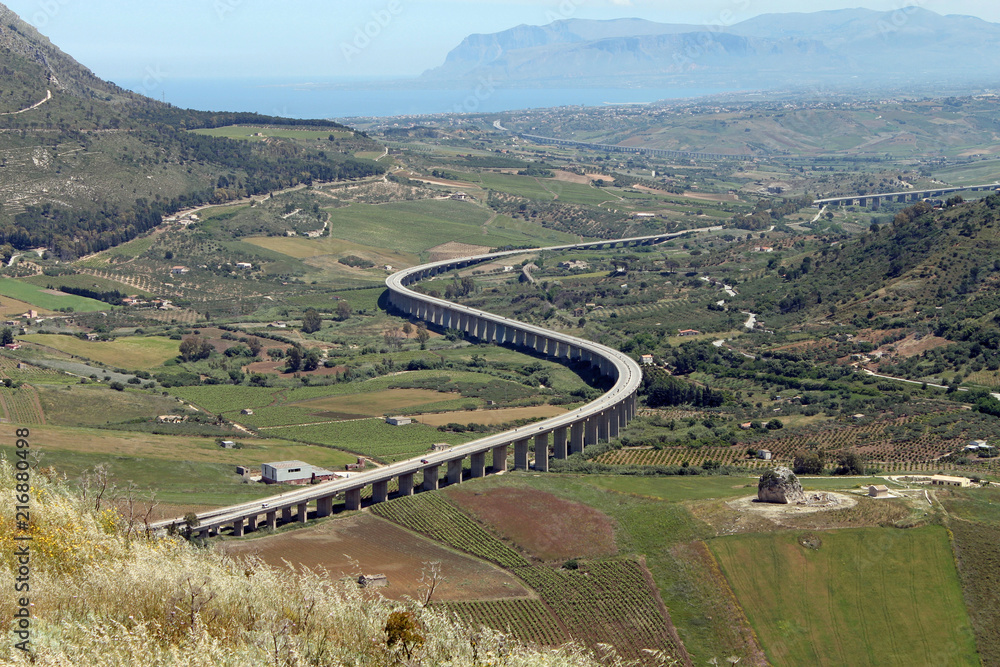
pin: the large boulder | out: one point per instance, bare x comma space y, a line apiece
780, 486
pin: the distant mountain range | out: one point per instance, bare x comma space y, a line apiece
849, 47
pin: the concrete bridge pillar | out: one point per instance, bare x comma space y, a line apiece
559, 443
380, 492
479, 465
302, 512
521, 454
623, 414
406, 484
252, 523
576, 437
238, 528
455, 471
491, 331
604, 427
286, 514
272, 520
431, 476
324, 506
590, 431
352, 500
540, 343
500, 458
542, 452
613, 421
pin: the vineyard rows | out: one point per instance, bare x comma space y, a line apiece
9, 369
606, 602
902, 440
21, 406
432, 515
526, 619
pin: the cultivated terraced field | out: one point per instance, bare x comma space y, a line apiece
526, 619
433, 515
607, 602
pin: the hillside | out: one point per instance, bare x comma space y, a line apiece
85, 165
103, 595
851, 48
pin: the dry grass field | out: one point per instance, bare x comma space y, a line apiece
132, 353
367, 544
176, 448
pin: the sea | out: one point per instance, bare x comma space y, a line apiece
342, 99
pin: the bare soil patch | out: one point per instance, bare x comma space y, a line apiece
587, 179
453, 250
546, 526
708, 196
818, 501
912, 347
366, 544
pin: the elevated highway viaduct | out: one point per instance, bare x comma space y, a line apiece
876, 200
556, 437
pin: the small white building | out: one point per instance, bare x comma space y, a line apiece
879, 491
398, 421
647, 360
228, 444
293, 472
764, 454
244, 265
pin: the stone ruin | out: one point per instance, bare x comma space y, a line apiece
780, 486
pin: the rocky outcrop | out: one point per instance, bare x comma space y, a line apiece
780, 486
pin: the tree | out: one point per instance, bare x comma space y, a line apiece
294, 358
255, 346
310, 361
807, 463
193, 349
312, 322
402, 628
849, 463
343, 311
6, 336
423, 336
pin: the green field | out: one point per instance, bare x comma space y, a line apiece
247, 131
84, 281
422, 225
37, 296
873, 596
371, 437
522, 186
132, 352
977, 173
679, 489
177, 483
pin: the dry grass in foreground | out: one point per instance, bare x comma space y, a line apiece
104, 596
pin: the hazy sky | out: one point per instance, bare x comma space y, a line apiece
300, 39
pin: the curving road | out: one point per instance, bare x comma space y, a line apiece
599, 420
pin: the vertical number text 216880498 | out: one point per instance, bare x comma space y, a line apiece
22, 540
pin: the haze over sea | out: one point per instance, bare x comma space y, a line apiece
340, 99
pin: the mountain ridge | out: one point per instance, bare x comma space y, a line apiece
845, 46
